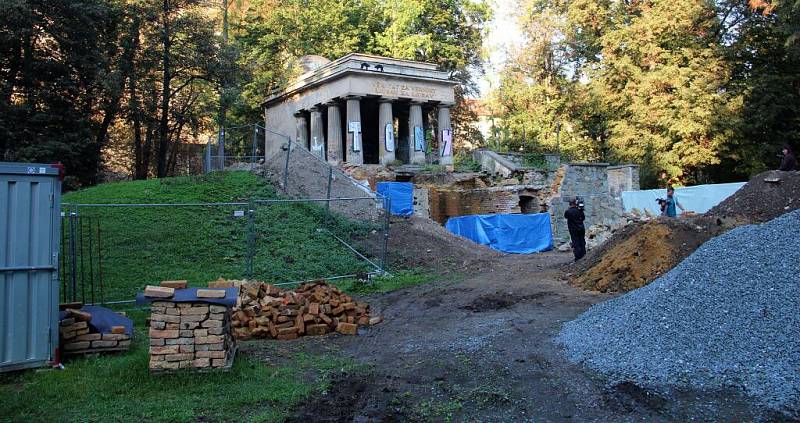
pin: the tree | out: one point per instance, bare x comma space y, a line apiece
59, 85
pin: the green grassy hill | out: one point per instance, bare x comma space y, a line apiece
141, 246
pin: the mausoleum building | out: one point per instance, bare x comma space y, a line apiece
363, 109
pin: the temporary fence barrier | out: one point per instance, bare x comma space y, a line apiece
111, 251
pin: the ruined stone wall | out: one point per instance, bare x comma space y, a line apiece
590, 181
623, 178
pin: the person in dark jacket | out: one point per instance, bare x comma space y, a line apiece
577, 232
789, 161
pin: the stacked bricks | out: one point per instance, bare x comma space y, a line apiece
190, 335
78, 337
266, 311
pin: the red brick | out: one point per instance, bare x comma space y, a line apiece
168, 349
158, 292
194, 310
90, 337
179, 357
313, 330
174, 284
210, 293
210, 354
347, 329
164, 318
201, 362
163, 333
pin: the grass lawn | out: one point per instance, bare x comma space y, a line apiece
142, 246
119, 388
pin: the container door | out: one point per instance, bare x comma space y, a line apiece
29, 236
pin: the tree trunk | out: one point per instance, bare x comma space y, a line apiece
135, 108
163, 132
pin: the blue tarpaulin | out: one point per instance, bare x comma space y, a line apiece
103, 319
509, 233
401, 195
697, 198
189, 295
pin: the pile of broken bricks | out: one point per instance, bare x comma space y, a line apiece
266, 311
79, 337
188, 334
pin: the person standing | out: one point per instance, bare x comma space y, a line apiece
669, 206
577, 232
789, 161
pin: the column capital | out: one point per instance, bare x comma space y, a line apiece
299, 113
445, 105
387, 99
315, 108
330, 103
353, 97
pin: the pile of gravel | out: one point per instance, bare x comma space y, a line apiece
727, 316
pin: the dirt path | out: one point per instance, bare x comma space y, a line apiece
480, 349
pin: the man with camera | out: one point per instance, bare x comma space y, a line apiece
577, 232
668, 204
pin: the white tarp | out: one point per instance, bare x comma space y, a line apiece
698, 198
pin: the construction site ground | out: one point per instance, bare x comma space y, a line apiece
476, 345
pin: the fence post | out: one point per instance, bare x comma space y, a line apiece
330, 182
255, 137
207, 157
286, 166
251, 240
73, 255
221, 148
387, 207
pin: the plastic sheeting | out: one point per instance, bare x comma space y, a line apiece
697, 198
103, 319
509, 233
189, 295
401, 195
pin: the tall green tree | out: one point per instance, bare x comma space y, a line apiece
662, 78
59, 92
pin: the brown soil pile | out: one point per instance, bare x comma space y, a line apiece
760, 201
420, 242
641, 252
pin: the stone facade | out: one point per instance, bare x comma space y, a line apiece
364, 109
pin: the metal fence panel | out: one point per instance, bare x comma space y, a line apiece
29, 240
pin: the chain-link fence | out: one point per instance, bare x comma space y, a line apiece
235, 146
112, 251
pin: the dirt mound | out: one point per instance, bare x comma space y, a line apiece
760, 201
641, 252
420, 242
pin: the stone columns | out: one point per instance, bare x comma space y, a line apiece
317, 133
355, 143
301, 134
445, 135
416, 134
334, 134
386, 131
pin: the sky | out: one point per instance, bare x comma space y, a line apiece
503, 34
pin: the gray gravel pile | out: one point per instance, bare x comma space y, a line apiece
727, 316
